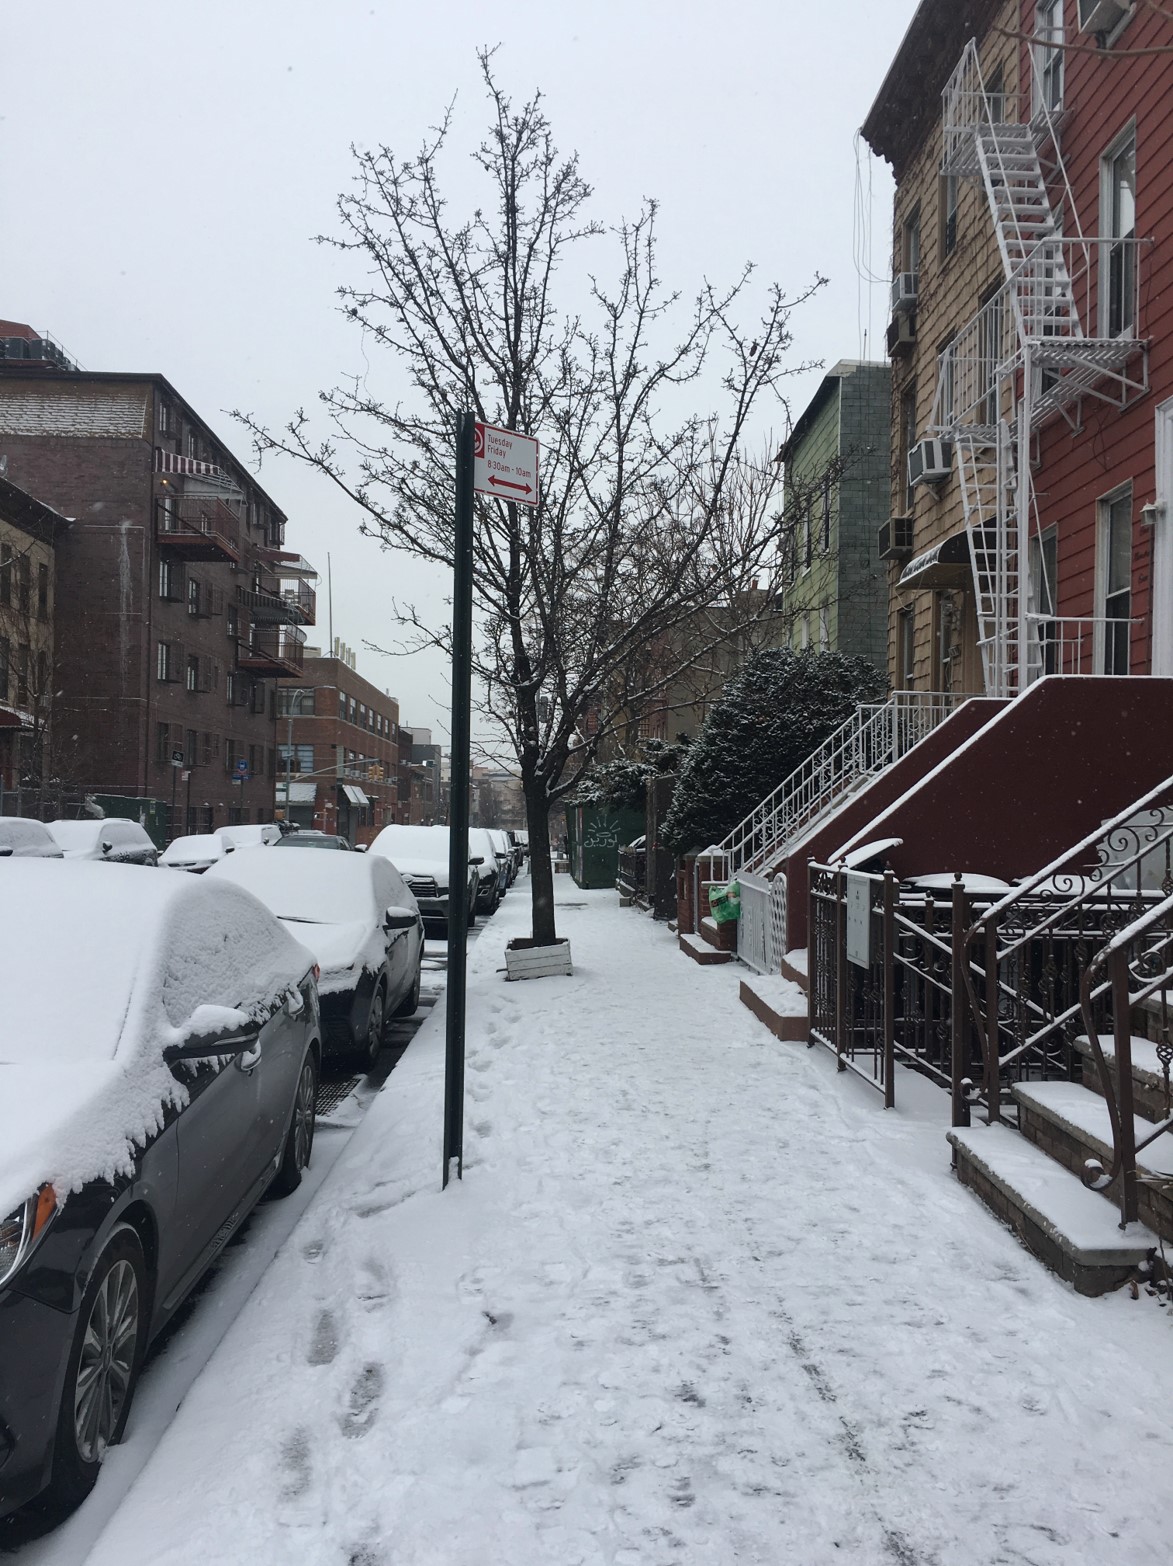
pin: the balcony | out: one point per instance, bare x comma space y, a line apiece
277, 650
276, 602
197, 527
301, 602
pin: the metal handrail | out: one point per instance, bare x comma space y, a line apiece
876, 734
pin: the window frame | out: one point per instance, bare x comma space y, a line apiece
1120, 144
1112, 649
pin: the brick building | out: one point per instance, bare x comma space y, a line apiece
177, 607
338, 749
29, 532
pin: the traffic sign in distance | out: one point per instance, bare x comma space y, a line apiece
177, 758
505, 464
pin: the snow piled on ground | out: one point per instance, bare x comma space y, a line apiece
698, 1299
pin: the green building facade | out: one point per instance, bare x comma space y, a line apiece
838, 492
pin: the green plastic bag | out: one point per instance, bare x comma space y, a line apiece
725, 903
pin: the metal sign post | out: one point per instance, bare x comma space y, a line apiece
458, 813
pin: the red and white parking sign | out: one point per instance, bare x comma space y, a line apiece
505, 464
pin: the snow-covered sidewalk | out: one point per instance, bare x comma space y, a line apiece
698, 1300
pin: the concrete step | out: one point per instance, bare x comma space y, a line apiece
1148, 1077
795, 968
779, 1003
722, 937
1072, 1125
1069, 1228
700, 951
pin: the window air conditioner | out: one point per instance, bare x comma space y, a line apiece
1101, 16
930, 462
904, 292
895, 538
901, 334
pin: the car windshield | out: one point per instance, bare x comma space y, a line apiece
199, 847
330, 889
75, 834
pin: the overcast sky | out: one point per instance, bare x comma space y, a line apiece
164, 167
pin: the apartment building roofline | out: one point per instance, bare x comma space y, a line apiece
826, 388
907, 103
31, 515
17, 371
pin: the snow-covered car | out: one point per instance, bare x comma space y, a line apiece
361, 923
175, 1084
506, 858
490, 875
110, 841
252, 835
196, 853
420, 854
21, 838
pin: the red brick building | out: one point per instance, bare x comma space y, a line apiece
338, 748
177, 608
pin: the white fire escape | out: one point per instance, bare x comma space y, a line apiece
1022, 358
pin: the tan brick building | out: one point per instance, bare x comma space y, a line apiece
29, 532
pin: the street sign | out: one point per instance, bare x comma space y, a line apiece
177, 758
242, 768
505, 464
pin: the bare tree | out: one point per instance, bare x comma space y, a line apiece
649, 518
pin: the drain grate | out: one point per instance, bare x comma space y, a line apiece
331, 1094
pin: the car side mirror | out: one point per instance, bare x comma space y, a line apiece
106, 847
5, 850
208, 1046
399, 919
479, 861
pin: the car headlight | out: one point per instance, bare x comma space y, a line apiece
23, 1227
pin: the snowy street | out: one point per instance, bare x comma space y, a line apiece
697, 1299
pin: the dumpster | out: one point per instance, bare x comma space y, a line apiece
595, 834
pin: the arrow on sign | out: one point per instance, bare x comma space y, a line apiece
506, 484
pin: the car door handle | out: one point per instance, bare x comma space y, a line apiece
250, 1058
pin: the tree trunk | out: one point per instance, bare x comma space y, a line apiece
541, 866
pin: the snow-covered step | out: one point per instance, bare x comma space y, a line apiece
722, 937
779, 1003
1148, 1077
700, 951
1072, 1125
795, 966
1073, 1230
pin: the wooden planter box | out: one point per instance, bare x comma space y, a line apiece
524, 960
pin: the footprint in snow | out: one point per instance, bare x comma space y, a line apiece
295, 1461
324, 1343
375, 1285
313, 1250
363, 1403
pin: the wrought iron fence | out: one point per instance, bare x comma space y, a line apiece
1026, 956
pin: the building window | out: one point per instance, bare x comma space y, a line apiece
167, 579
1115, 579
168, 663
1044, 572
1047, 57
302, 758
229, 752
190, 752
256, 760
996, 96
907, 442
230, 688
342, 705
22, 674
230, 622
209, 748
164, 417
192, 442
991, 330
192, 676
42, 591
826, 514
295, 701
905, 650
193, 596
950, 198
1118, 226
162, 743
24, 583
910, 242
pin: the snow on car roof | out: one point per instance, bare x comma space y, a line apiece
321, 888
201, 845
75, 834
102, 966
419, 843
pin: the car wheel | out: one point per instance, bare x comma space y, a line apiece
409, 1005
299, 1141
103, 1365
376, 1027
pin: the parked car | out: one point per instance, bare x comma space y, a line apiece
521, 837
21, 838
195, 853
312, 840
255, 835
361, 923
490, 874
506, 858
111, 841
175, 1085
420, 854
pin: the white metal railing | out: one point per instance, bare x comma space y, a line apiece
1081, 646
971, 370
876, 734
761, 929
965, 106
